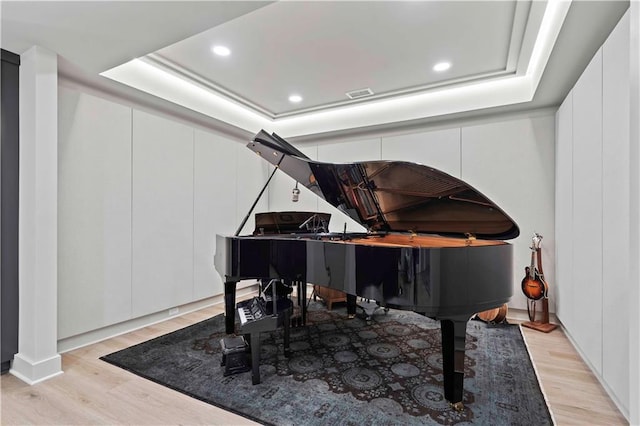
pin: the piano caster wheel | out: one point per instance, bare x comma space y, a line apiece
351, 316
457, 406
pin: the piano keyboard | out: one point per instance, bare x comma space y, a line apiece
251, 310
254, 318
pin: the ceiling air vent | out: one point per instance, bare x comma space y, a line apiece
360, 93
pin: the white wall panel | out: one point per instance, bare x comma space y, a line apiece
512, 163
94, 213
615, 213
162, 213
214, 206
594, 255
349, 152
346, 152
565, 306
587, 207
633, 290
252, 173
439, 149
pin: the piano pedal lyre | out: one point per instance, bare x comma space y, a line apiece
369, 307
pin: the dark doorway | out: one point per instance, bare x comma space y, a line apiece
9, 178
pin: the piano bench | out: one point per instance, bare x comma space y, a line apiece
330, 295
234, 355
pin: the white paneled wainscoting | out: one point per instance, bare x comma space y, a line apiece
593, 215
141, 198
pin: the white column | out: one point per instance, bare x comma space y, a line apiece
634, 225
37, 358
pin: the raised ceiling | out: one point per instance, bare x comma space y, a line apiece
322, 50
500, 52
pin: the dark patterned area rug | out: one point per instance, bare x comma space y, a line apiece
349, 372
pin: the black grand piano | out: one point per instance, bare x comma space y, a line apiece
434, 245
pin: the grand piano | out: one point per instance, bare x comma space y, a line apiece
434, 245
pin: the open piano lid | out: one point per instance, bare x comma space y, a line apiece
392, 196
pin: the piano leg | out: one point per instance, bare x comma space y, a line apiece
302, 300
351, 305
454, 331
230, 306
287, 332
255, 358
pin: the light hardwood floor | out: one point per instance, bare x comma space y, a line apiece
93, 392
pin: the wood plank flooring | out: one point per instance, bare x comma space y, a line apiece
574, 393
92, 392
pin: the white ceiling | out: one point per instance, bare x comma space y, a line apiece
98, 35
321, 50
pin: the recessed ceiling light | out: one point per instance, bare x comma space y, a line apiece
221, 50
442, 66
295, 98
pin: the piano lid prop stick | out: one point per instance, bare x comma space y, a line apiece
258, 199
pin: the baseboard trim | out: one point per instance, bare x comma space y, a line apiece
95, 336
32, 372
521, 315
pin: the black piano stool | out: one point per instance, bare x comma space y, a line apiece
234, 355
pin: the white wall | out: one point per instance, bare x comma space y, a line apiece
440, 149
162, 214
615, 210
94, 204
633, 295
215, 200
593, 214
512, 162
142, 197
564, 213
509, 159
587, 207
